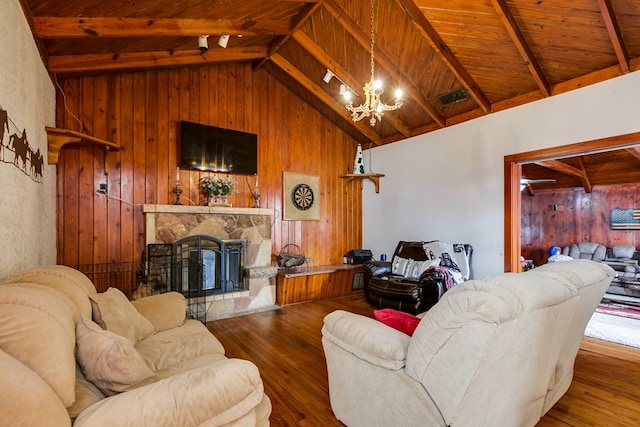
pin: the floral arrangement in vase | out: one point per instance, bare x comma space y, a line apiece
217, 188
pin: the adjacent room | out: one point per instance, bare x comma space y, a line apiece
320, 212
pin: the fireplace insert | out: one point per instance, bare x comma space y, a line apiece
199, 265
205, 265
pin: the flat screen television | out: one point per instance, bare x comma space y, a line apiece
210, 148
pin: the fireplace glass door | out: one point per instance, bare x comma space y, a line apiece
204, 265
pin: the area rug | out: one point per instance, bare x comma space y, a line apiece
618, 329
622, 310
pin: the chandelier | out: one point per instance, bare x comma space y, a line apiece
372, 107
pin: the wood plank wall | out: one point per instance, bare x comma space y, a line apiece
141, 112
580, 217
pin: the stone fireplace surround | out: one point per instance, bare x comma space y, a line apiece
170, 223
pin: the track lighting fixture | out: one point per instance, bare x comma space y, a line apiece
203, 43
224, 40
345, 91
327, 76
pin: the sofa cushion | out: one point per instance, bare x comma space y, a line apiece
87, 394
27, 399
109, 360
177, 345
165, 311
74, 284
623, 251
218, 394
403, 322
184, 366
37, 329
397, 289
113, 311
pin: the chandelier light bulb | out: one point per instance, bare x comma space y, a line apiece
399, 93
347, 95
377, 85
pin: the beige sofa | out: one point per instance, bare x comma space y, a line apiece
492, 352
149, 367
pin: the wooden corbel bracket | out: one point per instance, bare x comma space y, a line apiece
375, 177
58, 138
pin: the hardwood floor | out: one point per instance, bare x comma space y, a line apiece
285, 345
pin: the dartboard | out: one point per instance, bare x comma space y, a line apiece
302, 197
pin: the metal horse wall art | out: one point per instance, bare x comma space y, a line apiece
30, 162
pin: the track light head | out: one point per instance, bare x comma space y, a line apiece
223, 40
203, 43
327, 76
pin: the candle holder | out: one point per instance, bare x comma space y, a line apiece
177, 190
255, 195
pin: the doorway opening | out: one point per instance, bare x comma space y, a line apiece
513, 165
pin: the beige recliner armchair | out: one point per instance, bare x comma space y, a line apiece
492, 352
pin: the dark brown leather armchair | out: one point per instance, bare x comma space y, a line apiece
418, 290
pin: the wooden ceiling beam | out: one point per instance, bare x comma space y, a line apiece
383, 59
65, 64
606, 9
562, 167
634, 151
444, 52
523, 47
329, 63
586, 182
299, 76
559, 166
298, 21
83, 27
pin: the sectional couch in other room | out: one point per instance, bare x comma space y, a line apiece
498, 351
69, 355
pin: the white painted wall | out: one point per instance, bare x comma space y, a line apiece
448, 184
27, 208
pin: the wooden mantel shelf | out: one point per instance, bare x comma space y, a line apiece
58, 138
375, 177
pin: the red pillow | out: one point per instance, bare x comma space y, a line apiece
404, 322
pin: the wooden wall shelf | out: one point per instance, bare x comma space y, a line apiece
58, 138
375, 177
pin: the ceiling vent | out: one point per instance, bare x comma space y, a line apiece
453, 97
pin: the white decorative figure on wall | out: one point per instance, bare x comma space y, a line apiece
358, 163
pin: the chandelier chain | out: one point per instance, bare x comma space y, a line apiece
372, 38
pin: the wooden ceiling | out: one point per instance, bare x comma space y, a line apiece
613, 167
503, 53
